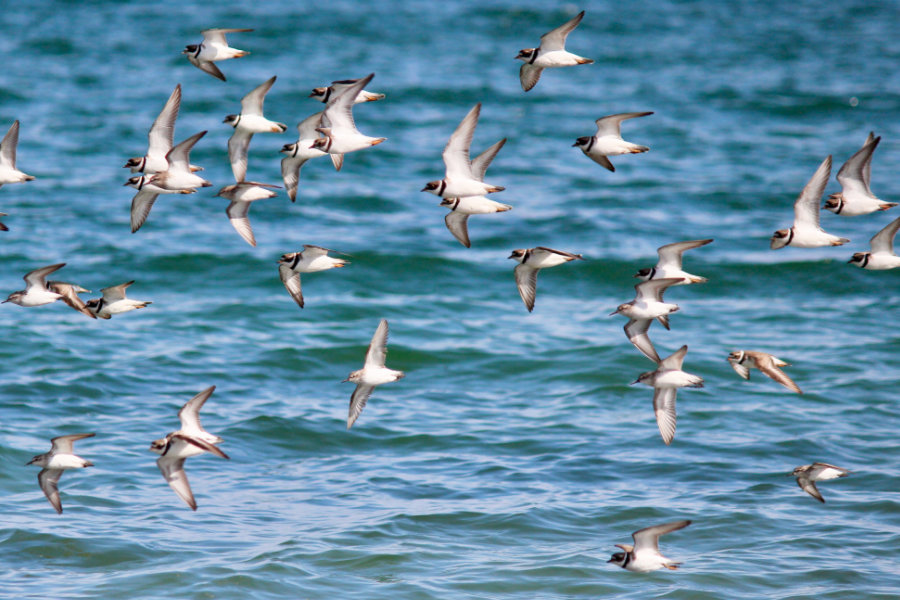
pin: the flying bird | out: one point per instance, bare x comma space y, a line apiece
855, 197
69, 294
806, 232
309, 260
147, 193
299, 152
339, 133
36, 292
644, 556
53, 463
608, 140
460, 208
744, 360
214, 47
808, 475
8, 171
372, 374
551, 53
532, 260
161, 139
241, 195
665, 381
647, 305
249, 121
669, 264
179, 175
324, 94
114, 301
882, 256
188, 441
460, 179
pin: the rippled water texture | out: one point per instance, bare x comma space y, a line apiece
514, 455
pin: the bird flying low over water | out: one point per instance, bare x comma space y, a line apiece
309, 260
855, 197
743, 360
665, 381
608, 140
460, 208
241, 195
8, 171
188, 441
532, 260
644, 555
36, 292
372, 374
551, 53
647, 305
808, 475
161, 139
114, 301
460, 179
299, 152
806, 232
69, 294
60, 458
882, 256
214, 47
669, 264
249, 121
339, 133
324, 94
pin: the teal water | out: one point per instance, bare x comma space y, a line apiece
514, 454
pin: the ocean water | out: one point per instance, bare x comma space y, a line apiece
515, 454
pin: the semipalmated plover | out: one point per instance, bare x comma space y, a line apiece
665, 381
53, 463
161, 139
648, 302
808, 475
647, 305
299, 152
8, 171
882, 256
188, 441
459, 179
249, 121
608, 140
213, 47
340, 135
644, 556
669, 264
241, 195
179, 175
309, 260
806, 232
324, 94
114, 301
372, 374
551, 53
147, 193
855, 197
533, 260
743, 360
460, 208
